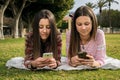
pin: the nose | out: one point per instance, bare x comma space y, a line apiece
83, 27
44, 29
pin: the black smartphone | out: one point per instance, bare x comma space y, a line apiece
82, 55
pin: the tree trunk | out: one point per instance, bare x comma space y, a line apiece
100, 17
16, 32
2, 10
21, 29
110, 18
29, 25
1, 25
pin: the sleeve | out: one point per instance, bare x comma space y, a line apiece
28, 50
59, 45
101, 48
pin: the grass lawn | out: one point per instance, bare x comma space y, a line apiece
10, 48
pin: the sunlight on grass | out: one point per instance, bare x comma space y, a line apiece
113, 45
10, 48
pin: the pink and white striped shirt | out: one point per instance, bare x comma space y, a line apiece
96, 48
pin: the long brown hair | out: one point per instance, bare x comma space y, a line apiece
52, 39
74, 46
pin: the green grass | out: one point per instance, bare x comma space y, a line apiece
10, 48
113, 45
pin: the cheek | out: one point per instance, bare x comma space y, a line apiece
49, 31
39, 31
78, 28
90, 28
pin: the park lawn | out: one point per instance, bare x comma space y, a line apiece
10, 48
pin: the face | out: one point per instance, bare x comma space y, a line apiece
44, 28
84, 26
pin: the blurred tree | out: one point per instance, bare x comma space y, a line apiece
16, 10
3, 6
24, 10
100, 5
60, 8
91, 5
109, 4
115, 18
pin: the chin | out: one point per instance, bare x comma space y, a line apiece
44, 37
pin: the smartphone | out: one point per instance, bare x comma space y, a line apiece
82, 55
48, 55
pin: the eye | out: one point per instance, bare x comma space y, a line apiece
79, 24
87, 23
48, 27
41, 27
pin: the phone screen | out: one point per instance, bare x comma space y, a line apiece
48, 55
82, 55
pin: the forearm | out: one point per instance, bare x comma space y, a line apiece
28, 59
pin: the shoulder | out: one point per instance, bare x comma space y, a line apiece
29, 35
100, 37
99, 34
99, 31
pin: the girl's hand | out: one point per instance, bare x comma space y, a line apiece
40, 62
75, 61
90, 62
52, 63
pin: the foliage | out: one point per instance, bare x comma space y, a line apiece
101, 4
91, 5
10, 48
59, 8
115, 18
64, 25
